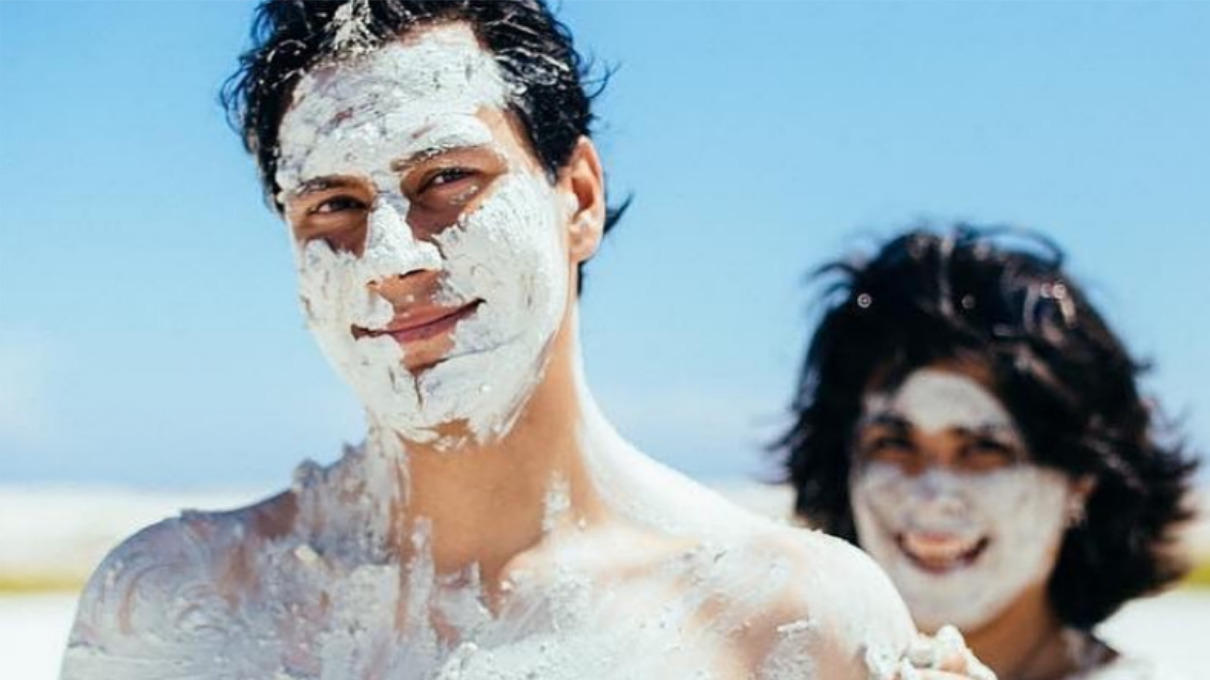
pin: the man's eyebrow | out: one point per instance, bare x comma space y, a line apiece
435, 140
318, 184
402, 165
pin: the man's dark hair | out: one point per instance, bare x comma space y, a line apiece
533, 49
998, 298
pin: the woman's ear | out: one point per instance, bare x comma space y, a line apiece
1083, 486
1077, 503
583, 182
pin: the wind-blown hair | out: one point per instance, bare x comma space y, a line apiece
535, 52
999, 298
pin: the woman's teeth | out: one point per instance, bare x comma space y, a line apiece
941, 552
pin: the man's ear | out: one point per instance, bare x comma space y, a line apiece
583, 182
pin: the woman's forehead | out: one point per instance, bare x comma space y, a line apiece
938, 398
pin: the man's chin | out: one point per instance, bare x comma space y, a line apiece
419, 365
422, 355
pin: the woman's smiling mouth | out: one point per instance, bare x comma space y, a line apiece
940, 553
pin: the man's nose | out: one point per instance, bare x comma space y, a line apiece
405, 290
391, 249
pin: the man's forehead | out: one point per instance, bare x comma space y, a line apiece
407, 97
442, 59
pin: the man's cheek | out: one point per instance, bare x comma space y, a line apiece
507, 252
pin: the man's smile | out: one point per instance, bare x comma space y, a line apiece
418, 324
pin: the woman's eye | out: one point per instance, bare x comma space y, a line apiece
891, 443
337, 204
985, 453
888, 446
992, 445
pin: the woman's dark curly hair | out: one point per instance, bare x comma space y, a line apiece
535, 52
999, 298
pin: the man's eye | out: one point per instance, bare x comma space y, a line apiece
337, 204
444, 177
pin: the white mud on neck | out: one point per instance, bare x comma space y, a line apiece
330, 599
327, 586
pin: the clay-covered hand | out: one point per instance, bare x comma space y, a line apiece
943, 656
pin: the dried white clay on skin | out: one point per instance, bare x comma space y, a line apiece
852, 599
680, 584
329, 599
933, 400
1019, 510
937, 651
357, 120
326, 606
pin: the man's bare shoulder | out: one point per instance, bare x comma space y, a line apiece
167, 571
851, 577
831, 605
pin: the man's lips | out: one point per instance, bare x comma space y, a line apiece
940, 553
421, 324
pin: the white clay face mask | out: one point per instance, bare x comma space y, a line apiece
503, 261
959, 546
933, 400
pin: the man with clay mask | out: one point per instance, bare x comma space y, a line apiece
433, 163
967, 417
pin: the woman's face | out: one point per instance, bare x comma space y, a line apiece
947, 499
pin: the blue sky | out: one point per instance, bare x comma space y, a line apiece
148, 327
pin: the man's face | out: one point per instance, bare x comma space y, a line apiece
431, 250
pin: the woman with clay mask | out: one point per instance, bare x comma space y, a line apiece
967, 417
433, 163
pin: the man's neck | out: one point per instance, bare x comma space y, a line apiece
488, 502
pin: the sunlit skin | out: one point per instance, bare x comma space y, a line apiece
486, 505
1023, 642
482, 502
485, 501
